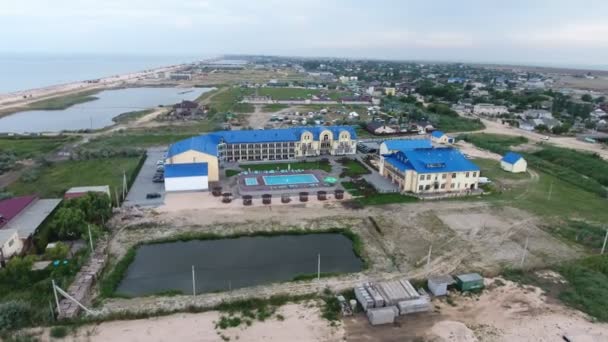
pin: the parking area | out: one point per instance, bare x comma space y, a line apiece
143, 184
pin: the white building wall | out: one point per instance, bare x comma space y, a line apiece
520, 166
13, 245
186, 183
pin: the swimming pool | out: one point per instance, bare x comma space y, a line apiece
251, 181
305, 178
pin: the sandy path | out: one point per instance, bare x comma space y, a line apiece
567, 142
514, 313
301, 323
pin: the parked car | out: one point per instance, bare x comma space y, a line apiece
160, 167
158, 180
153, 195
160, 162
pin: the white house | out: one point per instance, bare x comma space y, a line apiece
489, 109
10, 243
513, 162
441, 138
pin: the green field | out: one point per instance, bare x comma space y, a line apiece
275, 107
131, 116
25, 147
353, 168
63, 102
297, 93
316, 165
389, 198
544, 195
496, 143
54, 180
227, 100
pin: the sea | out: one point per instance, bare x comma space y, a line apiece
29, 71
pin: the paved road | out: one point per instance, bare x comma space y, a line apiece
143, 184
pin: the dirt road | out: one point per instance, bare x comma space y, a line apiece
566, 142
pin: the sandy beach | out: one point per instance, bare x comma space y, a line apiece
22, 98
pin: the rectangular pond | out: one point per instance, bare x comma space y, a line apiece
235, 263
98, 113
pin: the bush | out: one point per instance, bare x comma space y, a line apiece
59, 252
14, 315
59, 332
30, 175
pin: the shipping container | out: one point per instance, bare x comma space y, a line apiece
469, 282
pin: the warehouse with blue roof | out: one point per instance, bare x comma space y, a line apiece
513, 162
210, 150
430, 170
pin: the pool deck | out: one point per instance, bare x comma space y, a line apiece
261, 188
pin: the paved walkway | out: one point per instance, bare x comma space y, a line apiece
379, 182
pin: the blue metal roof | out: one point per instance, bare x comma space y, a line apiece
403, 145
207, 143
511, 157
437, 134
431, 160
186, 170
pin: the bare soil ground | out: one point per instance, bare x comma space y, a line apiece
504, 312
466, 236
302, 322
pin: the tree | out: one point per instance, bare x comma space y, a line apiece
95, 206
68, 222
14, 314
541, 128
587, 98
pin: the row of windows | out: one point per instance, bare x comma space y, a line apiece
445, 175
245, 146
442, 186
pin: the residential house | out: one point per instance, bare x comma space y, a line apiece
441, 138
513, 162
379, 128
489, 109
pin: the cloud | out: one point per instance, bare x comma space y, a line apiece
398, 38
570, 35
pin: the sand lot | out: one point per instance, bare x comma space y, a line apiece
301, 323
504, 312
507, 312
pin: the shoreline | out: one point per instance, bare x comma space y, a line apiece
14, 102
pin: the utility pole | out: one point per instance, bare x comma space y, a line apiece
523, 256
193, 282
605, 240
56, 296
550, 191
90, 237
319, 266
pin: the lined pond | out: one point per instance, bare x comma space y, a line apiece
98, 113
226, 264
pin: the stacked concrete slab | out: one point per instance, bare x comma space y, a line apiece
398, 296
384, 315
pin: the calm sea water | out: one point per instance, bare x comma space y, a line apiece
98, 113
235, 263
25, 71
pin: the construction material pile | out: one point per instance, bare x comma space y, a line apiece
383, 301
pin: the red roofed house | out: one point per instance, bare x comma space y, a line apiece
19, 219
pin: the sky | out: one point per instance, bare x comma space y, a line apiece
546, 32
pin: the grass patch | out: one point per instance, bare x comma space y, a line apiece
228, 100
588, 164
59, 331
353, 168
131, 116
63, 102
230, 173
274, 107
496, 143
305, 165
458, 124
32, 147
388, 198
54, 180
135, 139
588, 290
312, 276
586, 234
